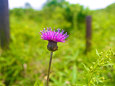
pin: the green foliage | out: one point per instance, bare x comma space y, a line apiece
26, 61
96, 74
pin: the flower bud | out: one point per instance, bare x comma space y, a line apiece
52, 46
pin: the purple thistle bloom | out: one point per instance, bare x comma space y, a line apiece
55, 36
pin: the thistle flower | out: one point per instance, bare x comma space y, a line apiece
53, 37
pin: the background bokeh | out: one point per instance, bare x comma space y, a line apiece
25, 63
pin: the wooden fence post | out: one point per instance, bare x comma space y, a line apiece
4, 24
88, 33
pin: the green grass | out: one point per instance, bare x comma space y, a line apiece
26, 62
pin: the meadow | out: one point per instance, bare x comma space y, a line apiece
26, 61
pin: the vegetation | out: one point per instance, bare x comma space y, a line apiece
25, 63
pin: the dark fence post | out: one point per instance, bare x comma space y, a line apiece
88, 33
4, 24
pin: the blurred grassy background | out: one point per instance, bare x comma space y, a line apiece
26, 62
